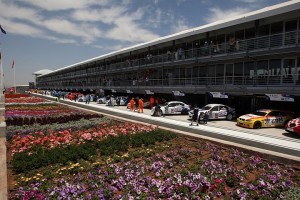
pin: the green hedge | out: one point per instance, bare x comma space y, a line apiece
22, 162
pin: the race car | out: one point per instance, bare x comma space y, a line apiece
265, 118
172, 107
217, 111
293, 126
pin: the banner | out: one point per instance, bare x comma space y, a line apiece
280, 97
221, 95
178, 93
149, 92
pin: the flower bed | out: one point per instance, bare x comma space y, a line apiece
33, 141
81, 124
176, 169
27, 100
7, 96
22, 114
119, 160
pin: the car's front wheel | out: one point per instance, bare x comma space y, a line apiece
257, 125
185, 112
229, 117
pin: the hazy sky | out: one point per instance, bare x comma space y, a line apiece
51, 34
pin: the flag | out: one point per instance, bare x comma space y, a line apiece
13, 64
2, 30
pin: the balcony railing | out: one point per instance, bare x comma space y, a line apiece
258, 80
211, 49
208, 50
288, 39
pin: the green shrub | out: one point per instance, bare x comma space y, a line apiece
23, 162
292, 194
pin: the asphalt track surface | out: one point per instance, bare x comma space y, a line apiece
275, 142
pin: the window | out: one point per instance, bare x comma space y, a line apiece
238, 73
291, 26
239, 35
262, 68
249, 33
221, 38
273, 113
276, 34
275, 67
211, 71
249, 72
282, 114
277, 27
263, 30
216, 108
290, 34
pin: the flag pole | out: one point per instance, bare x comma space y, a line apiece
1, 74
14, 76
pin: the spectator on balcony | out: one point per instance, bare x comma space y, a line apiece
169, 55
205, 48
232, 44
237, 45
180, 53
149, 58
215, 47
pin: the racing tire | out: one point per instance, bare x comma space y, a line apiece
185, 112
257, 125
285, 123
229, 117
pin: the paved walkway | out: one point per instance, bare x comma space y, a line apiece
3, 169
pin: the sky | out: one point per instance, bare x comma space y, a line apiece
51, 34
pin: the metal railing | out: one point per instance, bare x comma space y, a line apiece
258, 80
211, 49
281, 40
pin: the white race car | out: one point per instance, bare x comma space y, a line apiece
172, 107
217, 111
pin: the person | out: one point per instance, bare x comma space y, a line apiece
87, 99
141, 105
75, 97
132, 102
206, 117
151, 102
157, 110
169, 55
195, 115
201, 117
232, 43
112, 101
136, 103
118, 100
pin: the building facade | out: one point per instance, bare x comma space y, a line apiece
249, 62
